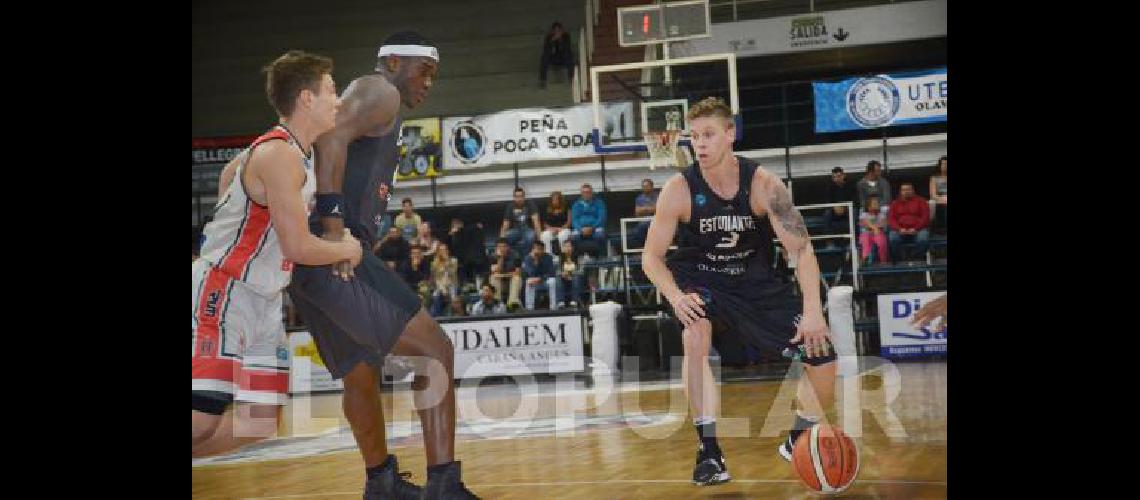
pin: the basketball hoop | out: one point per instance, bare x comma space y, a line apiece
663, 151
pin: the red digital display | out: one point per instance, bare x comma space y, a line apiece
645, 24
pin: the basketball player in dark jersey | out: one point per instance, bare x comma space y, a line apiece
359, 315
721, 281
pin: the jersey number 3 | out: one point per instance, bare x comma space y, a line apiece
729, 242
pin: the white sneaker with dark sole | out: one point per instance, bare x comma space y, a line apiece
786, 449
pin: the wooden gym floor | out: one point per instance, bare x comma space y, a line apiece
637, 443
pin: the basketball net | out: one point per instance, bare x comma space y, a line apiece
662, 148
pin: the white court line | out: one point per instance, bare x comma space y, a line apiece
612, 481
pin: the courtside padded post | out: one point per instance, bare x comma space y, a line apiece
842, 320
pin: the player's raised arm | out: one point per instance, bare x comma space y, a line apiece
672, 204
277, 167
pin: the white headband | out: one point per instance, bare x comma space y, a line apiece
409, 50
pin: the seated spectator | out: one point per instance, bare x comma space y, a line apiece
488, 303
910, 220
938, 193
558, 51
505, 268
571, 277
588, 221
416, 272
393, 249
873, 183
466, 244
556, 220
425, 239
457, 308
540, 275
644, 206
444, 279
873, 231
517, 220
838, 191
383, 220
408, 220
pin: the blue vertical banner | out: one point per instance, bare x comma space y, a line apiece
880, 101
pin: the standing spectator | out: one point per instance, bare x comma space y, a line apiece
838, 191
416, 272
505, 267
444, 279
558, 51
910, 220
873, 231
425, 239
393, 249
540, 275
408, 220
556, 219
517, 220
488, 303
644, 206
588, 219
466, 243
571, 277
938, 193
873, 183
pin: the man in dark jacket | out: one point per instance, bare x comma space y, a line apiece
558, 51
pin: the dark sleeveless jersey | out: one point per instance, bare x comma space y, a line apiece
372, 161
724, 243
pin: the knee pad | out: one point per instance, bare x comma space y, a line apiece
209, 402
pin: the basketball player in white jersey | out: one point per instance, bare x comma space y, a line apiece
259, 231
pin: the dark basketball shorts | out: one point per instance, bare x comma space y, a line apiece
762, 313
353, 321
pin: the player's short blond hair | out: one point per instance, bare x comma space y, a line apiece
710, 106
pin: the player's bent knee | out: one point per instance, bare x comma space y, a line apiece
256, 421
203, 425
361, 378
696, 339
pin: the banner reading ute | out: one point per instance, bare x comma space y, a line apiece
880, 101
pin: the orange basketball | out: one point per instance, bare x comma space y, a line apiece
825, 459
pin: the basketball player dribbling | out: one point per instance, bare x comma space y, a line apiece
356, 322
258, 232
721, 282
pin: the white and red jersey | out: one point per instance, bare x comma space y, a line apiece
240, 241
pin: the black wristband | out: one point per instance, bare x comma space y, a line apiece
330, 205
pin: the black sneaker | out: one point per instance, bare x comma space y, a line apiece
392, 484
710, 469
445, 485
786, 447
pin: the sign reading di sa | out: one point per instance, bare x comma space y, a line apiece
897, 337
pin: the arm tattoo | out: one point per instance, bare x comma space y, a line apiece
782, 209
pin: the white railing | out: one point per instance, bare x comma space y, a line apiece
849, 236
